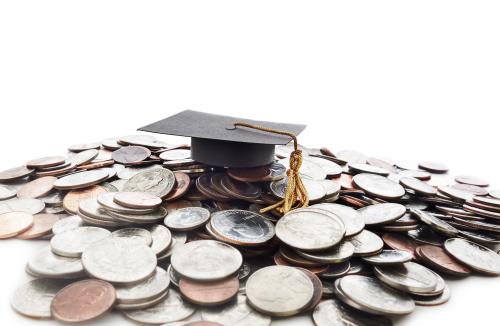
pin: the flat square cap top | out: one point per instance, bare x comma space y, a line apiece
202, 125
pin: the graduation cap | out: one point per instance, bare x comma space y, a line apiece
215, 140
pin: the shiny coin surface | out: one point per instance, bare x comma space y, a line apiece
380, 214
351, 156
408, 277
130, 154
67, 223
33, 299
242, 227
209, 293
162, 238
27, 205
106, 200
332, 312
81, 179
47, 264
44, 162
366, 243
138, 235
435, 223
137, 200
433, 167
14, 223
175, 154
388, 257
42, 225
336, 270
15, 173
119, 260
352, 219
379, 186
83, 301
310, 229
440, 260
6, 192
206, 260
188, 218
72, 243
418, 186
37, 188
334, 255
475, 256
158, 181
148, 289
279, 290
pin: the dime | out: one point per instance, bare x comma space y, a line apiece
380, 214
182, 182
370, 295
14, 223
188, 218
378, 186
353, 221
27, 205
131, 154
81, 179
73, 242
137, 235
473, 255
334, 313
67, 223
15, 173
279, 290
367, 168
6, 192
73, 198
388, 257
157, 181
54, 198
162, 238
148, 289
83, 301
439, 259
42, 225
33, 299
106, 200
206, 260
44, 162
175, 154
366, 243
310, 229
45, 263
433, 167
209, 294
340, 253
435, 223
408, 277
242, 227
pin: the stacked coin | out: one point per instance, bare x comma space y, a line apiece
165, 238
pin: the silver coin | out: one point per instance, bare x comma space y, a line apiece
206, 260
426, 235
330, 168
279, 290
84, 157
310, 229
188, 218
111, 143
175, 154
142, 304
335, 255
118, 184
173, 308
34, 298
433, 300
157, 181
379, 186
45, 263
473, 255
332, 187
129, 172
242, 227
7, 192
236, 313
315, 191
418, 186
334, 313
54, 198
152, 217
370, 295
454, 193
72, 243
352, 220
136, 139
81, 179
138, 235
26, 205
367, 168
162, 238
174, 276
119, 260
178, 238
67, 223
366, 243
308, 169
408, 277
480, 237
351, 156
388, 257
106, 200
15, 173
380, 214
146, 290
336, 270
90, 207
434, 223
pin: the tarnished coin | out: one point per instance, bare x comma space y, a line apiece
33, 299
83, 301
440, 260
81, 179
379, 186
279, 290
353, 221
206, 260
370, 295
172, 309
36, 188
140, 200
399, 242
131, 154
408, 277
73, 198
366, 243
146, 290
14, 223
388, 257
334, 313
433, 167
47, 264
6, 192
310, 229
367, 168
157, 181
380, 214
473, 255
106, 200
175, 154
242, 227
138, 235
188, 218
256, 174
67, 223
435, 223
27, 205
42, 225
15, 173
335, 255
240, 189
209, 293
73, 242
44, 162
418, 186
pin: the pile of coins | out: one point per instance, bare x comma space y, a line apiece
135, 225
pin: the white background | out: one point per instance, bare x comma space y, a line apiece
407, 80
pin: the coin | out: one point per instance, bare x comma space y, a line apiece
310, 230
47, 161
175, 154
6, 192
433, 167
81, 179
308, 169
473, 255
370, 295
73, 198
91, 208
366, 243
144, 218
84, 157
351, 156
433, 300
292, 257
42, 225
379, 186
380, 214
67, 223
435, 223
439, 259
130, 154
162, 238
318, 289
239, 189
337, 254
119, 260
15, 173
334, 313
250, 174
143, 304
388, 257
330, 168
426, 235
106, 200
475, 190
455, 194
418, 186
188, 218
182, 182
33, 299
36, 188
73, 242
209, 293
482, 238
154, 286
230, 314
367, 168
137, 235
27, 205
83, 301
158, 181
471, 180
279, 291
83, 147
353, 221
315, 191
408, 277
139, 200
14, 223
336, 270
242, 227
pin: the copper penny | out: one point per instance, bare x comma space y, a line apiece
131, 154
42, 225
178, 204
433, 167
439, 259
182, 182
209, 293
83, 301
13, 223
96, 165
137, 199
470, 180
73, 198
400, 242
279, 260
250, 174
37, 188
44, 162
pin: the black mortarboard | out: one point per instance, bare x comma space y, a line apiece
216, 141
